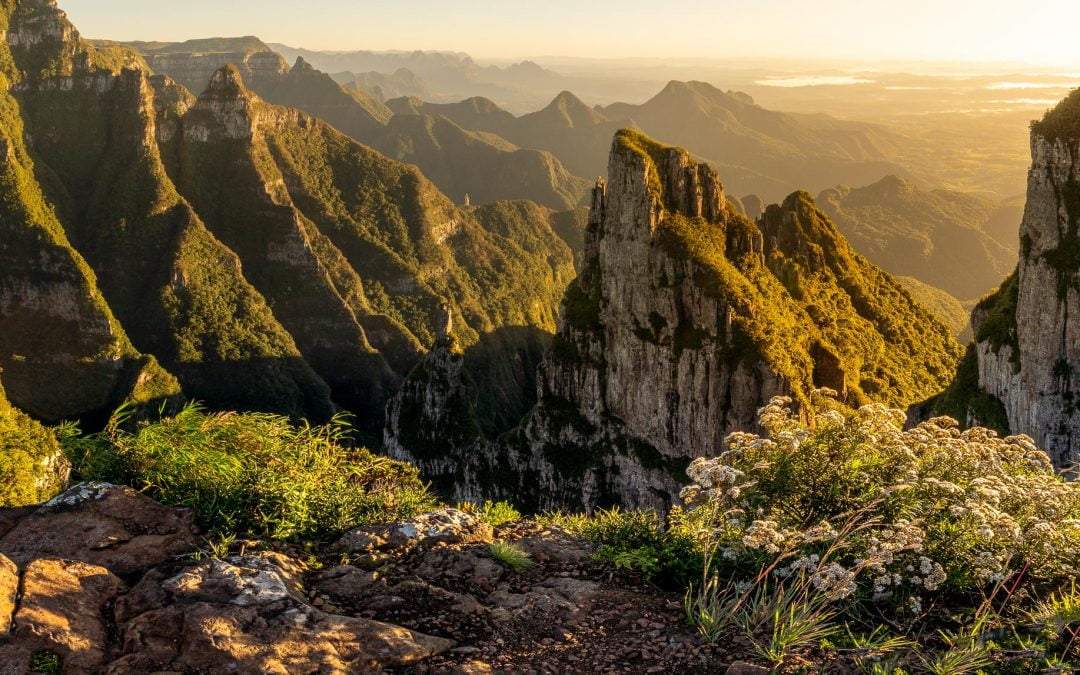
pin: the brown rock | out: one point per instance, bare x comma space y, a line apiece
744, 668
101, 524
207, 637
346, 582
9, 591
249, 614
61, 611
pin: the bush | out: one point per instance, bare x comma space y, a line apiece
936, 509
939, 542
253, 473
638, 541
492, 513
32, 467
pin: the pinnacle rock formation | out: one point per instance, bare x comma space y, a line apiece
684, 320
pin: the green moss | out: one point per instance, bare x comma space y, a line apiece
998, 326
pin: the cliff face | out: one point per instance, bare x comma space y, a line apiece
685, 319
62, 351
1028, 334
264, 258
458, 161
177, 291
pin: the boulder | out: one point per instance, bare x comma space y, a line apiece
102, 524
346, 582
445, 526
61, 610
249, 614
9, 591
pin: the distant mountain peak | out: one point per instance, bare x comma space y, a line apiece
894, 184
227, 82
303, 66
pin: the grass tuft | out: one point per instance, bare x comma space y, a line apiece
511, 555
253, 473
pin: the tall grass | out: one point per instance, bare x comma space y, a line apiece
252, 473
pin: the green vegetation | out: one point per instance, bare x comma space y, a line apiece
998, 326
492, 513
1061, 122
848, 540
252, 473
511, 555
45, 661
964, 399
961, 243
666, 552
32, 468
945, 307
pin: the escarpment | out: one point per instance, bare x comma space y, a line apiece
685, 319
55, 326
1022, 374
263, 258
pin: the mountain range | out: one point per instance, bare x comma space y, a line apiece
683, 305
264, 259
962, 243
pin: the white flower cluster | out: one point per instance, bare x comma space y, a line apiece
914, 509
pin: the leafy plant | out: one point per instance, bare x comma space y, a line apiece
492, 513
45, 661
511, 555
253, 473
638, 541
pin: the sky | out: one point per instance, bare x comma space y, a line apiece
1042, 32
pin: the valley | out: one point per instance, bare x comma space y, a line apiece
338, 361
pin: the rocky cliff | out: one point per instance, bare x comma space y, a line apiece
1028, 334
685, 319
264, 258
460, 162
55, 326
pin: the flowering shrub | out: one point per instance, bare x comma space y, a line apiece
867, 509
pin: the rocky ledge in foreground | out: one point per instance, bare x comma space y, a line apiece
115, 583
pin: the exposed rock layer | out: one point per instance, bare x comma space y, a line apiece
1028, 335
685, 319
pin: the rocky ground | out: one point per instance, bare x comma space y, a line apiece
104, 580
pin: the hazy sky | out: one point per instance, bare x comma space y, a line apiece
1034, 31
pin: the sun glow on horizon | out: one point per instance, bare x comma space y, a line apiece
1039, 32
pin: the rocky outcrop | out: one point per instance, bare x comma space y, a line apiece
101, 524
65, 600
685, 319
250, 614
263, 258
1028, 334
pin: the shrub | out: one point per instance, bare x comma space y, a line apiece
942, 509
492, 513
511, 555
253, 473
32, 468
637, 540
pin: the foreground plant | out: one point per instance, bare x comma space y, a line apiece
492, 513
252, 473
951, 510
511, 555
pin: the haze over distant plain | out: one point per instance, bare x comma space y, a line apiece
1037, 32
